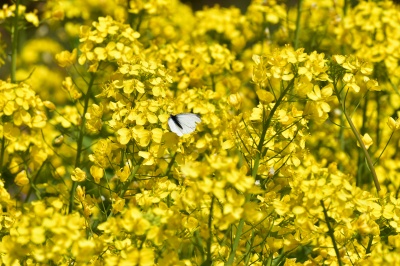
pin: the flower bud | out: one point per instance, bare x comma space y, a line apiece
235, 100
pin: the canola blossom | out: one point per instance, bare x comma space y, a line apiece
104, 159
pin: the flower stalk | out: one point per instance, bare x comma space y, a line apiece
14, 43
80, 139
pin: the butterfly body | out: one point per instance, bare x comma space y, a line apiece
184, 123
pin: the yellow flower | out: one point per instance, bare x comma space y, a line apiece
38, 235
124, 136
93, 117
141, 135
394, 124
10, 131
265, 96
124, 173
70, 87
394, 241
133, 256
80, 193
350, 81
257, 113
66, 59
97, 173
117, 204
372, 84
83, 250
14, 165
21, 179
339, 59
259, 71
134, 222
156, 135
190, 223
319, 107
39, 120
103, 153
78, 175
32, 18
150, 156
58, 14
367, 140
235, 100
49, 105
314, 66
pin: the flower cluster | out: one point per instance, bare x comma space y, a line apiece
8, 12
295, 160
24, 116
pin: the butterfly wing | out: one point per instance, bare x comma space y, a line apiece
188, 122
184, 123
174, 127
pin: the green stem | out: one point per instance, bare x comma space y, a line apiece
366, 153
131, 177
378, 119
249, 246
209, 242
260, 145
397, 192
368, 250
345, 7
33, 185
387, 143
360, 164
14, 44
364, 116
341, 137
266, 126
331, 233
237, 238
359, 139
170, 164
298, 20
80, 139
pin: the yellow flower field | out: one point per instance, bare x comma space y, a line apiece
296, 160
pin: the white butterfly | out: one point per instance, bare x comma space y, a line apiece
184, 123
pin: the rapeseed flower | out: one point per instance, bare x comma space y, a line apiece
271, 175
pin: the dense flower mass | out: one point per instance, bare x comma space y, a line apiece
295, 160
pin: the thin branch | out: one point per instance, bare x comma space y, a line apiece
331, 233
